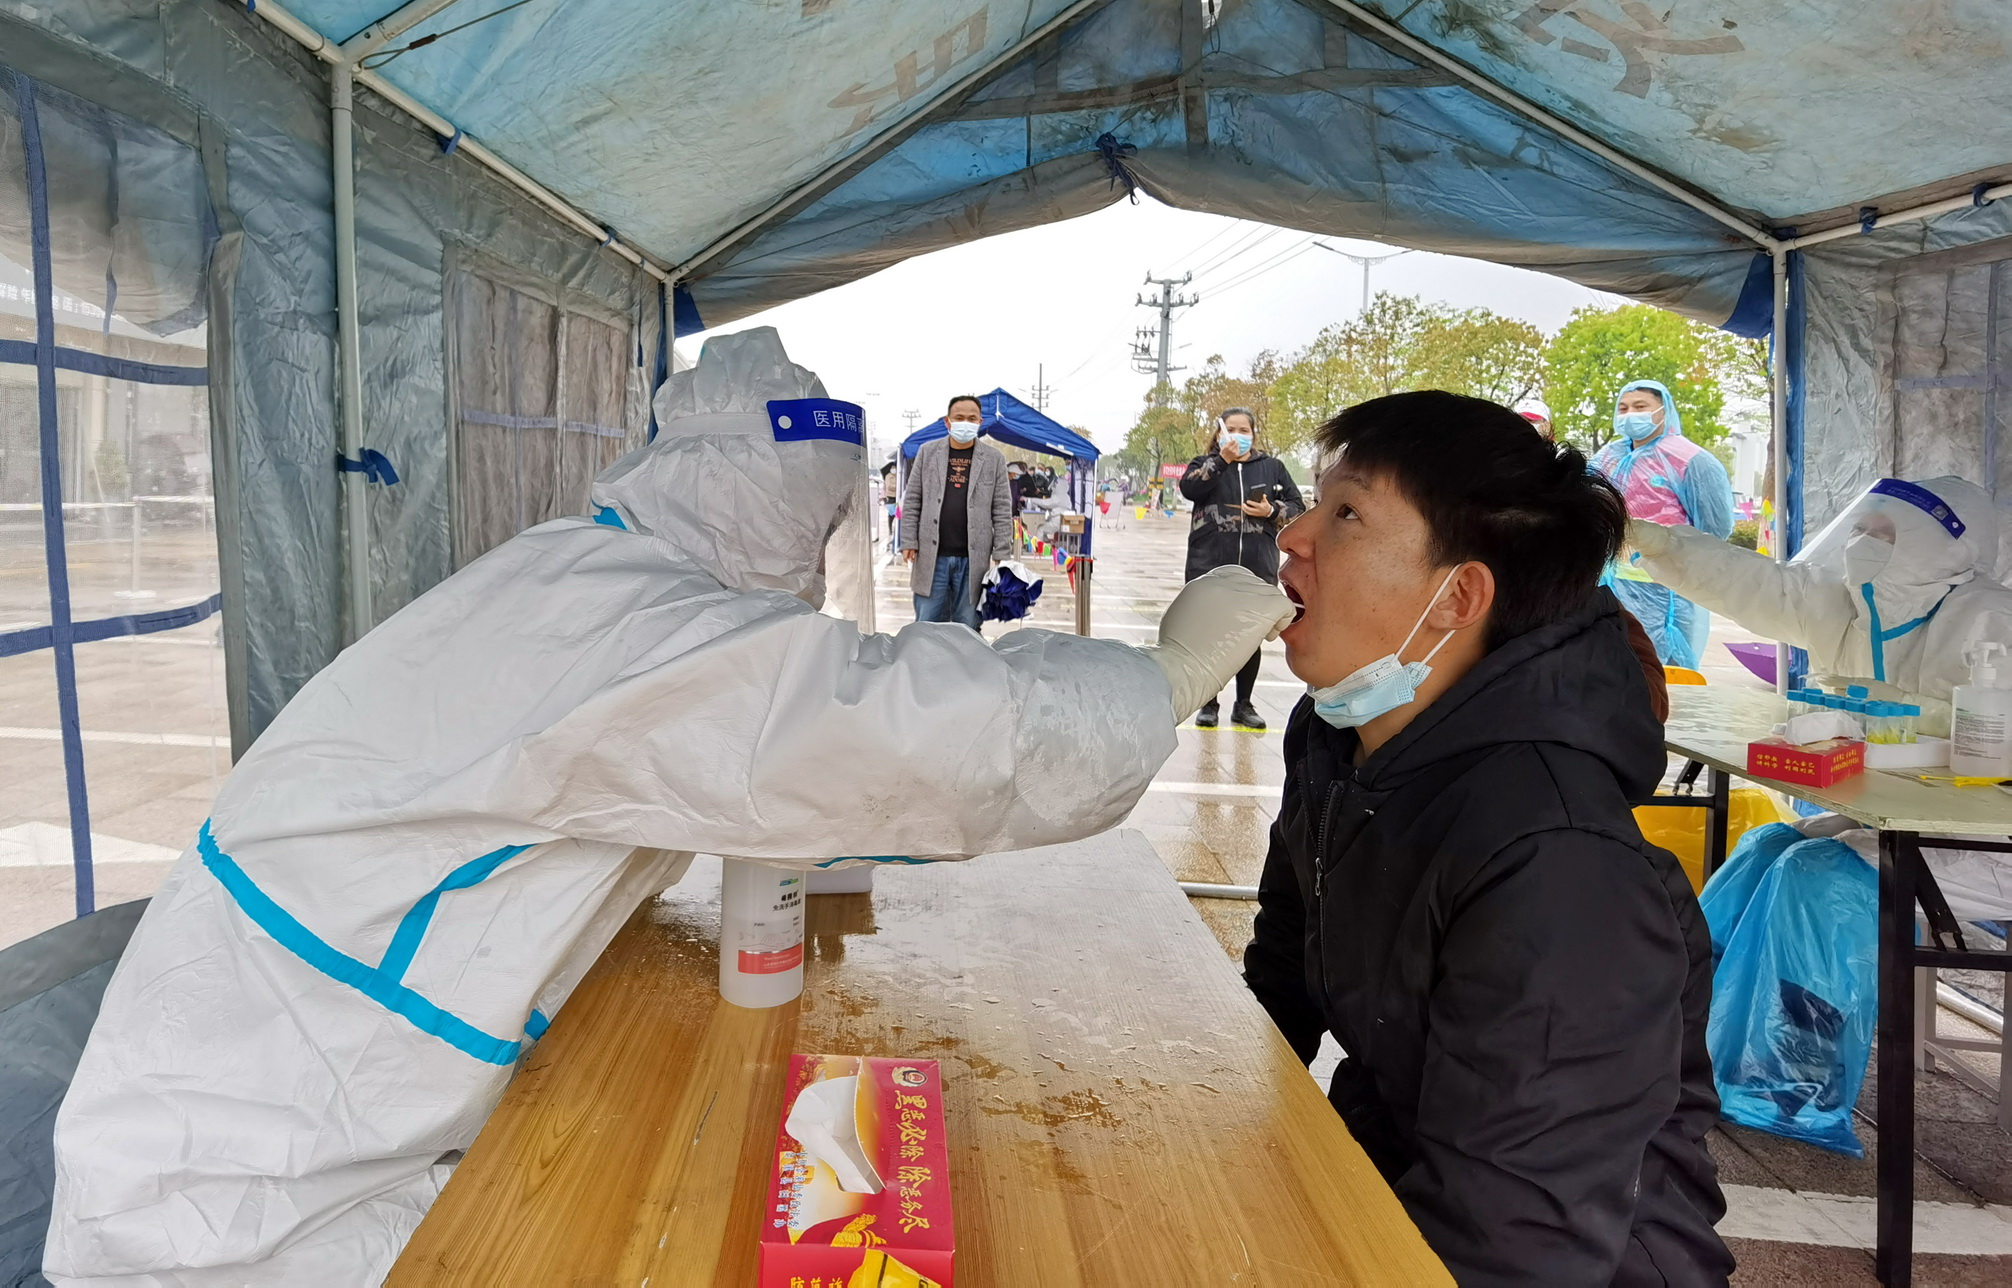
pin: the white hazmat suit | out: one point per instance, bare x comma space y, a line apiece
408, 873
1891, 591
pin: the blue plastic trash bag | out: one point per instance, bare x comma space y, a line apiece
1795, 994
1010, 592
1731, 889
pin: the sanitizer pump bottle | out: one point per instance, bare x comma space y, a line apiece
1981, 718
761, 933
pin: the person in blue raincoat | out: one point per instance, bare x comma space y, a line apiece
1667, 479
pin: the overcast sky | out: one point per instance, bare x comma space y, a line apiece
995, 312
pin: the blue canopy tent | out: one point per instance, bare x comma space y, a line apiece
422, 234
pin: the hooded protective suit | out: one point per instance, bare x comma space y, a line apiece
1667, 479
411, 869
1890, 591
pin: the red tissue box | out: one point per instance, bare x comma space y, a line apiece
816, 1234
1818, 765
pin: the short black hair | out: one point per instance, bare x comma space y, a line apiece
1491, 492
970, 398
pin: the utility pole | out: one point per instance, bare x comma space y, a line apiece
912, 415
1365, 262
1143, 358
1042, 392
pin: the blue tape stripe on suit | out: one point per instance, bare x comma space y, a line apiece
535, 1026
344, 969
105, 628
97, 364
412, 926
55, 553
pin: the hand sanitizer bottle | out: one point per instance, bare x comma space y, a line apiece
761, 933
1981, 718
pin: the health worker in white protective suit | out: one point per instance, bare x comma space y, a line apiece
1891, 591
411, 869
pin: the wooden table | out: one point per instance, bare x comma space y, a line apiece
1713, 724
1121, 1110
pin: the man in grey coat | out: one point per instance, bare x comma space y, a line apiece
956, 517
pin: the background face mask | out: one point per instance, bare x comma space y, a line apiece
1637, 425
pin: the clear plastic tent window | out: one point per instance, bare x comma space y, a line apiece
113, 725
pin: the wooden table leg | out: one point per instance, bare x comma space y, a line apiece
1899, 855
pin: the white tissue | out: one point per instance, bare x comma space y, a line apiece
825, 1122
1821, 726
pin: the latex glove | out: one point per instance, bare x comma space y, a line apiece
1211, 629
1652, 539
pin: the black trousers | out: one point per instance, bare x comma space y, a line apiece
1247, 678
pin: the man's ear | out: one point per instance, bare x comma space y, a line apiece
1468, 598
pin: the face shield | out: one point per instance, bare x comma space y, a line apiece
848, 556
1901, 547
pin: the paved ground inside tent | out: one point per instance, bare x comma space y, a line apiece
155, 747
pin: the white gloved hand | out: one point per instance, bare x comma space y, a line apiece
1211, 629
1652, 539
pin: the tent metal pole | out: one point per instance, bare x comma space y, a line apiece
1947, 205
1508, 98
390, 27
1778, 414
349, 361
330, 52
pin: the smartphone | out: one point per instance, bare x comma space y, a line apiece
1258, 494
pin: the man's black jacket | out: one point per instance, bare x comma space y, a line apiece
1519, 981
1221, 534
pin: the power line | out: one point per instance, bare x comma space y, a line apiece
1257, 237
1257, 271
1229, 226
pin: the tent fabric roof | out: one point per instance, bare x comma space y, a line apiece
1011, 421
866, 133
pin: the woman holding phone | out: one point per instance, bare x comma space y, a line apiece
1242, 497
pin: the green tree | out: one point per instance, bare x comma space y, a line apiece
1163, 432
1483, 355
1600, 350
1402, 343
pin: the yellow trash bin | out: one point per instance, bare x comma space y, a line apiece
1680, 829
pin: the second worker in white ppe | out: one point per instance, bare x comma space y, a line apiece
410, 870
1891, 591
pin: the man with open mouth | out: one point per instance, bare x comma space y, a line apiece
1456, 888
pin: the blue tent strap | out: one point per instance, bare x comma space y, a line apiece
609, 230
1114, 150
1868, 218
97, 364
106, 628
1977, 198
449, 142
374, 466
56, 559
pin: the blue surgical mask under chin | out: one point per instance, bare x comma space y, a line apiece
1637, 425
1382, 686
